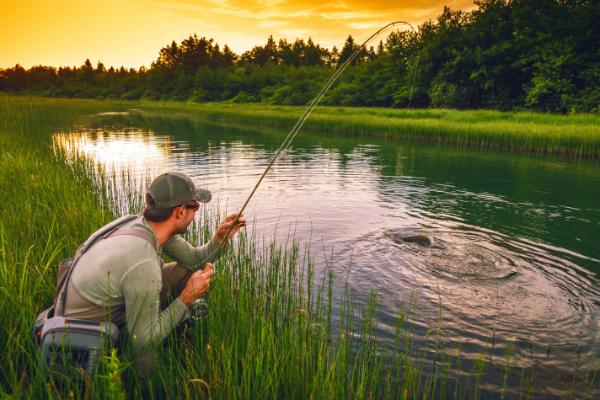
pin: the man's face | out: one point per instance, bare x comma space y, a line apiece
186, 214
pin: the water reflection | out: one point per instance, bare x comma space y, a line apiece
118, 152
513, 263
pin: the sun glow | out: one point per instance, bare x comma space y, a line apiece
131, 33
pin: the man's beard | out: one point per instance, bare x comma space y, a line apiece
183, 230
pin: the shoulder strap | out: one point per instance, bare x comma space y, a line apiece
138, 232
110, 229
105, 231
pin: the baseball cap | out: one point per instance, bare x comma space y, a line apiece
175, 188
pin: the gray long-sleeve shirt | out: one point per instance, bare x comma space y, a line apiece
120, 278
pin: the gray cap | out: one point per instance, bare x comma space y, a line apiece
174, 189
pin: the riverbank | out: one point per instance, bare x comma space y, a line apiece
269, 332
575, 136
572, 136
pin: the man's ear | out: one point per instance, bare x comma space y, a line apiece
179, 212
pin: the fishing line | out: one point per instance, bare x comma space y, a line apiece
309, 109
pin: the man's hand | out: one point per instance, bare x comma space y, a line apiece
226, 225
197, 285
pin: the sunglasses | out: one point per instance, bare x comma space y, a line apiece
194, 206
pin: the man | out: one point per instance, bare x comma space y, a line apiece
122, 278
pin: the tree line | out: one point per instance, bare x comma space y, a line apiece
504, 54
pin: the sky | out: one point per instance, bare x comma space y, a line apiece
131, 32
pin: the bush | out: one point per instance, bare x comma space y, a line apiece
243, 97
345, 94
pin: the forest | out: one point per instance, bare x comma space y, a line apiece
541, 55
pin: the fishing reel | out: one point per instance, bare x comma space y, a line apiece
198, 311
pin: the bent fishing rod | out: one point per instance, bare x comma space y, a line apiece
308, 110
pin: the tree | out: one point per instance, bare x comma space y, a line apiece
333, 58
551, 88
260, 55
347, 50
505, 54
168, 57
100, 68
87, 71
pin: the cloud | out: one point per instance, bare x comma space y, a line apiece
132, 32
326, 21
314, 10
349, 15
272, 24
367, 25
293, 33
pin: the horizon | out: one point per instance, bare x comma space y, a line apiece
65, 34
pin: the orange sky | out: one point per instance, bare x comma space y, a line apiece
131, 32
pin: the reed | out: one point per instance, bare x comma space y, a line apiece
269, 333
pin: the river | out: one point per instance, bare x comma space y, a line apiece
512, 261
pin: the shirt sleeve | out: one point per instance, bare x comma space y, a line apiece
146, 324
184, 253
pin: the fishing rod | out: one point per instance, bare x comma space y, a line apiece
309, 109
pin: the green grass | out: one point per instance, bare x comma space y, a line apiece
576, 136
269, 333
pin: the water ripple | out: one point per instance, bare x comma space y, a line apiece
511, 266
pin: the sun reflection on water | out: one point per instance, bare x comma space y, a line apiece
117, 152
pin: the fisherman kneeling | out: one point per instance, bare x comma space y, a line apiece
118, 276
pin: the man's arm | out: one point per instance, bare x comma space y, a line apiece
195, 257
146, 324
185, 254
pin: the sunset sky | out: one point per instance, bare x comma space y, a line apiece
130, 33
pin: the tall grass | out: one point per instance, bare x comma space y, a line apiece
575, 136
48, 207
269, 333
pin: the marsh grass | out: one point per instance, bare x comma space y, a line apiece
576, 136
269, 332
